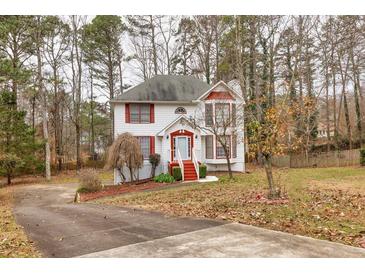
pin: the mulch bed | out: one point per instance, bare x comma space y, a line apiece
121, 189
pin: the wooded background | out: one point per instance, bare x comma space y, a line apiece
63, 70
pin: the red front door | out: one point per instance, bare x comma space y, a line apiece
182, 141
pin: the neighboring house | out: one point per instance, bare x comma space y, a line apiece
322, 130
158, 112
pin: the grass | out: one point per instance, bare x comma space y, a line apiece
13, 241
324, 203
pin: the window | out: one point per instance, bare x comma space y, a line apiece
234, 146
233, 115
180, 110
139, 113
209, 146
222, 114
145, 143
208, 115
219, 148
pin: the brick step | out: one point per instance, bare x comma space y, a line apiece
191, 179
189, 174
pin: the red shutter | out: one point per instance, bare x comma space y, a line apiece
152, 113
152, 144
127, 114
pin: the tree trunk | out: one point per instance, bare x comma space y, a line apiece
347, 116
44, 104
92, 147
8, 176
228, 165
327, 111
154, 50
273, 193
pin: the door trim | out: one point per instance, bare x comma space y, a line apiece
181, 132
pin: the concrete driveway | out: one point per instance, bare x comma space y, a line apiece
61, 228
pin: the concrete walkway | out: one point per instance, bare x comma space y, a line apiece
233, 241
61, 228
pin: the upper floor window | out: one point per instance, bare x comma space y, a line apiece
180, 110
222, 114
139, 113
208, 115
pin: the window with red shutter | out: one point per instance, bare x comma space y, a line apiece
127, 114
140, 113
152, 144
152, 113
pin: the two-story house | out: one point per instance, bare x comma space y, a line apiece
158, 113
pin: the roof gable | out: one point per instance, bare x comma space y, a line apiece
220, 91
219, 95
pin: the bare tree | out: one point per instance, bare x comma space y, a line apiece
38, 32
56, 50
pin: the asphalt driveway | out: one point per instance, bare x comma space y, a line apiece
61, 228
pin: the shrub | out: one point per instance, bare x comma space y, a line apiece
89, 181
164, 178
176, 173
155, 161
362, 156
202, 171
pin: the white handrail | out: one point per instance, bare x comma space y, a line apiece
195, 161
181, 164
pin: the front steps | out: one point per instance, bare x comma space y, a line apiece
189, 171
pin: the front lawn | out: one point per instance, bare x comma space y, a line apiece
324, 203
13, 241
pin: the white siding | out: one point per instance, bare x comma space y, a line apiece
165, 115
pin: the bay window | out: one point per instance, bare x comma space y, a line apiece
209, 147
222, 114
208, 115
219, 148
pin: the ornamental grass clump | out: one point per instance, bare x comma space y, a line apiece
89, 181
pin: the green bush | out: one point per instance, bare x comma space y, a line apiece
164, 178
362, 156
202, 171
176, 173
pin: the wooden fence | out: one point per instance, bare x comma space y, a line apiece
319, 159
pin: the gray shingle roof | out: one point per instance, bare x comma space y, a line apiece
166, 88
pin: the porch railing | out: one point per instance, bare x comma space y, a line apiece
181, 163
195, 161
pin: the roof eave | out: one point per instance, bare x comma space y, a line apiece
116, 101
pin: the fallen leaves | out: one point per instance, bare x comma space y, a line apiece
334, 214
13, 241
